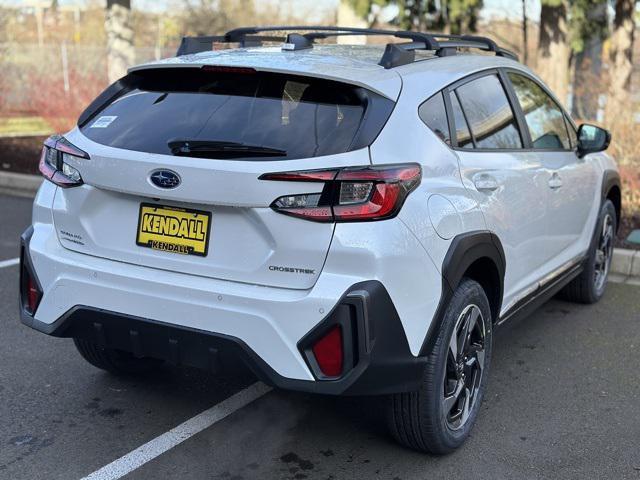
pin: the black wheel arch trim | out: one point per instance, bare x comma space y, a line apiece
464, 251
611, 179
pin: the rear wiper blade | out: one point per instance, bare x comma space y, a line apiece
197, 148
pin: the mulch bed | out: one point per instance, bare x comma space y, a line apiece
627, 225
20, 154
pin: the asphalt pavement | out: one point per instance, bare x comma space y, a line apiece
563, 403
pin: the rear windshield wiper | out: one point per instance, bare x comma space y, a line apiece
221, 149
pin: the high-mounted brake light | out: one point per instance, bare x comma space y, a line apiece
57, 153
223, 69
350, 194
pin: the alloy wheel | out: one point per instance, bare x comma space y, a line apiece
464, 366
604, 254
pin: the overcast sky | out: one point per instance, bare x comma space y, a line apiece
498, 8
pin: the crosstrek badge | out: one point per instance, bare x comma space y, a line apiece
174, 230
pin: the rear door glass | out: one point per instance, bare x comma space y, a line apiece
236, 114
489, 114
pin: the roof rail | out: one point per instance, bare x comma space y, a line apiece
395, 54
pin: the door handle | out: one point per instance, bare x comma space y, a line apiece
485, 182
555, 181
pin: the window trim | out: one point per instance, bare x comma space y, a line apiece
470, 78
525, 136
453, 131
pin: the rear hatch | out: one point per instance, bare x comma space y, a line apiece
175, 159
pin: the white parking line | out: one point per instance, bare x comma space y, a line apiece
9, 263
159, 445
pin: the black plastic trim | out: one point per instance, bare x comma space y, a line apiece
610, 179
379, 360
542, 294
464, 250
26, 265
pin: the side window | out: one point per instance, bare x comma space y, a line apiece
463, 136
489, 114
543, 116
434, 114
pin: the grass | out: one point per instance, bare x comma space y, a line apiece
19, 126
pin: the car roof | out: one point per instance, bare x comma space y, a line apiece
355, 64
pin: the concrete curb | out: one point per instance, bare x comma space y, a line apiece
625, 266
19, 184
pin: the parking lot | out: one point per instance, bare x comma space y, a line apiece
563, 402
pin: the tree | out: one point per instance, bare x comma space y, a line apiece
525, 34
462, 15
554, 51
365, 8
621, 66
588, 26
120, 52
454, 16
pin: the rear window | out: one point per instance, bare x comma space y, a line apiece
236, 113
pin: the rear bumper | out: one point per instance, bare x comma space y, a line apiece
197, 322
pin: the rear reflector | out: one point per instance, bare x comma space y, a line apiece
349, 194
33, 295
328, 352
29, 289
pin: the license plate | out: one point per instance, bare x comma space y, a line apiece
175, 230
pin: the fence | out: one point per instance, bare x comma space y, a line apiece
31, 75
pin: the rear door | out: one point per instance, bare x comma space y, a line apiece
508, 183
208, 135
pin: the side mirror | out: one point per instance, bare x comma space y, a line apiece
592, 139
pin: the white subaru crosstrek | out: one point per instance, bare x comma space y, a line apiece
350, 220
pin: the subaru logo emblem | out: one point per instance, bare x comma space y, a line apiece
165, 179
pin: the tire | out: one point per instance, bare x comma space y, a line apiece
115, 361
588, 287
420, 420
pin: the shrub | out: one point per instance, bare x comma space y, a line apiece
61, 109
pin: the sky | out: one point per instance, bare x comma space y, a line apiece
498, 8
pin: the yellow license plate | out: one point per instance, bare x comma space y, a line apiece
176, 230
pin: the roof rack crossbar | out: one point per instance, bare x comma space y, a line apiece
395, 54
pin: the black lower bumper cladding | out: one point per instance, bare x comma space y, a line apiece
377, 355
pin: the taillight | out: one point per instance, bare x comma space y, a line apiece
328, 352
55, 162
350, 194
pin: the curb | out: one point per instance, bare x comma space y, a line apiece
19, 184
625, 266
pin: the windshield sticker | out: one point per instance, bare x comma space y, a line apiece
104, 121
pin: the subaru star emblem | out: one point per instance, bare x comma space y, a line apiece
165, 179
